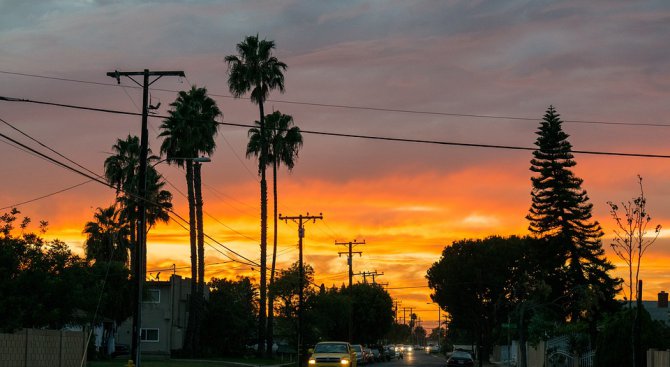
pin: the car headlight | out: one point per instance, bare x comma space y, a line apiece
344, 362
312, 361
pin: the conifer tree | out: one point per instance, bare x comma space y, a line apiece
561, 214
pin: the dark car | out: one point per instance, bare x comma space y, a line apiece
459, 358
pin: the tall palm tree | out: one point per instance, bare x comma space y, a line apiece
189, 132
254, 69
107, 236
284, 142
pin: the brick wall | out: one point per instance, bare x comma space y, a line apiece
38, 348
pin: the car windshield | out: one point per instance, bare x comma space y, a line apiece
330, 348
461, 355
356, 348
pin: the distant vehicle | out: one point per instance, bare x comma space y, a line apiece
390, 352
376, 355
369, 357
360, 354
408, 348
399, 350
332, 354
432, 348
460, 359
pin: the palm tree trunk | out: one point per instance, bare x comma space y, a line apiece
191, 327
197, 185
271, 297
264, 238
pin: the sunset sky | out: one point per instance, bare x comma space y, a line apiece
424, 70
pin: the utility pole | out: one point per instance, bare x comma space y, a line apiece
395, 308
140, 247
301, 234
350, 254
350, 261
367, 274
375, 274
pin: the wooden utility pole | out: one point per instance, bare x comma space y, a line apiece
350, 254
301, 234
140, 247
350, 261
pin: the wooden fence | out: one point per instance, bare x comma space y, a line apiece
42, 348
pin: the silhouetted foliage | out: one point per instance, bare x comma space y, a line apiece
189, 132
229, 318
630, 236
614, 340
479, 283
284, 142
256, 70
561, 211
44, 285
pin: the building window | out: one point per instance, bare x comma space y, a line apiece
149, 335
152, 296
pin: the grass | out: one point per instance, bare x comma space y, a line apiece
122, 362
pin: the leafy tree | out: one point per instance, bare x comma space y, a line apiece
231, 308
189, 132
284, 142
477, 283
329, 313
287, 289
42, 283
561, 211
372, 312
613, 343
255, 69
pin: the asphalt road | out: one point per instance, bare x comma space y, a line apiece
416, 358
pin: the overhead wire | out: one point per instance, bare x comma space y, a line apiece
358, 136
100, 181
359, 107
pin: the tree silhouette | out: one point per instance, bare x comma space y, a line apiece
284, 142
254, 69
561, 212
189, 132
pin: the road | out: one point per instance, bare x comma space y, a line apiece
416, 358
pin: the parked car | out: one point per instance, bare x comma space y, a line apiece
376, 355
369, 357
360, 354
460, 359
389, 352
332, 354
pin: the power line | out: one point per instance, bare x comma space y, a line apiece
96, 179
46, 195
358, 136
364, 108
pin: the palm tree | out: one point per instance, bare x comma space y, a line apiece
284, 142
107, 236
189, 132
256, 70
121, 171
